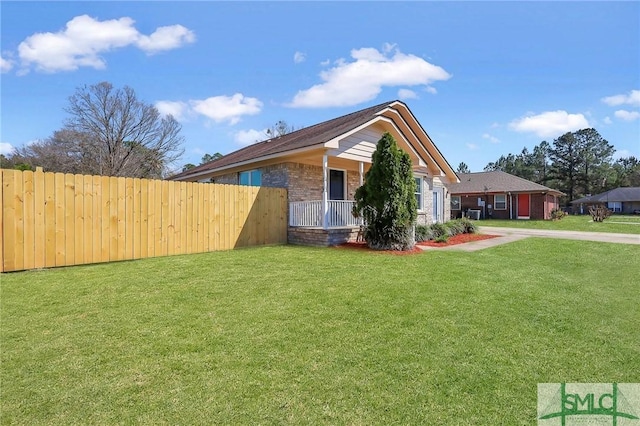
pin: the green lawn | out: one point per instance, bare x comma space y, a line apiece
296, 335
616, 224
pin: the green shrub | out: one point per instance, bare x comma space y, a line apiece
441, 232
442, 239
469, 226
557, 214
438, 230
454, 227
423, 233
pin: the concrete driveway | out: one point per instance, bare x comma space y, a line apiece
508, 235
603, 237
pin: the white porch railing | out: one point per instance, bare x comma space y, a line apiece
309, 214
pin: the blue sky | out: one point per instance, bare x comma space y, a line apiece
483, 78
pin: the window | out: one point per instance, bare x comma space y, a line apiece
615, 206
250, 178
455, 202
419, 192
336, 184
500, 202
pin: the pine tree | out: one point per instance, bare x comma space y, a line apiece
463, 168
565, 163
595, 154
387, 200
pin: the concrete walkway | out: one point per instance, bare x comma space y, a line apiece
508, 235
603, 237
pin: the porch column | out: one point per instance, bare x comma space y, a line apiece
325, 197
361, 169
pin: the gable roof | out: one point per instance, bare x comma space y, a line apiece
497, 181
624, 195
308, 137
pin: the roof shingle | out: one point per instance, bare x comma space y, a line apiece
624, 195
306, 137
497, 181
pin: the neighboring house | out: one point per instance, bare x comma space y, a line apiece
321, 166
619, 200
501, 195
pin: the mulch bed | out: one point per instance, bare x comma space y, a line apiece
458, 239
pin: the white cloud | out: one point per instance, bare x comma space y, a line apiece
431, 89
472, 146
5, 65
84, 39
361, 80
407, 94
550, 124
490, 138
326, 62
249, 137
177, 109
632, 98
165, 38
227, 108
627, 115
6, 148
607, 120
299, 57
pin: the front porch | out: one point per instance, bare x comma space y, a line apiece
322, 223
323, 214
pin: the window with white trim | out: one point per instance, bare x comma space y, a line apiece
615, 206
455, 202
500, 202
419, 191
250, 178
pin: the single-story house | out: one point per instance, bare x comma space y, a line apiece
618, 200
501, 195
321, 166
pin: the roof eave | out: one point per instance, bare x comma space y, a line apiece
214, 170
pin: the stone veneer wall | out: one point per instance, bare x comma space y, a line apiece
353, 183
305, 182
320, 237
229, 179
276, 176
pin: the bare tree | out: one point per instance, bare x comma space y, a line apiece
281, 128
66, 151
118, 135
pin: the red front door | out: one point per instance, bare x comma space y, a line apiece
523, 206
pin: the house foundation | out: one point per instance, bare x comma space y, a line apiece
321, 237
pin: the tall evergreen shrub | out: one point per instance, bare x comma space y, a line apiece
387, 199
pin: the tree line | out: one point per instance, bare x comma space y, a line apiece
577, 163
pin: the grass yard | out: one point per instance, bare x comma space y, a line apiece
297, 335
617, 224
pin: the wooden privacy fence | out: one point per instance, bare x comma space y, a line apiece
56, 219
